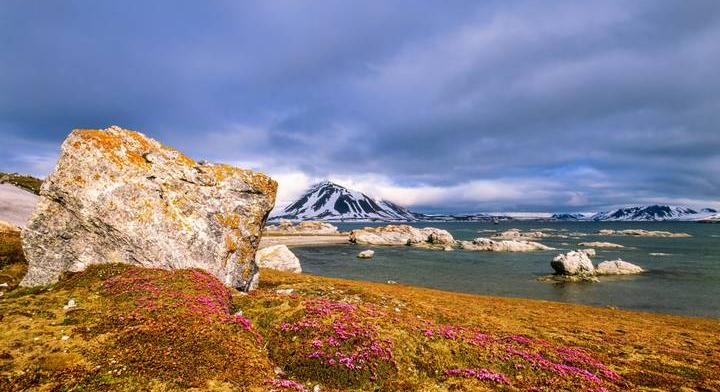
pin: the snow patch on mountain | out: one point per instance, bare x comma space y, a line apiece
651, 213
332, 202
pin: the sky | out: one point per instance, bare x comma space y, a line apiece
445, 106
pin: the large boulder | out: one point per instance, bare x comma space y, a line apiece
617, 267
119, 196
278, 257
429, 237
488, 245
573, 263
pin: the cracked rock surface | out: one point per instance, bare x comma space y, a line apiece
118, 196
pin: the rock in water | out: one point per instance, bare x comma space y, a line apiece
600, 244
486, 244
573, 263
617, 267
366, 254
119, 196
402, 235
278, 257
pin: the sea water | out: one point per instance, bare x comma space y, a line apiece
685, 280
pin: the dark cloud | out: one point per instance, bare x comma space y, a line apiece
593, 103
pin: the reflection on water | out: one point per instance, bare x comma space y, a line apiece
685, 280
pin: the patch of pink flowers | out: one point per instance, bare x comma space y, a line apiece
480, 374
342, 335
285, 385
458, 333
566, 362
151, 289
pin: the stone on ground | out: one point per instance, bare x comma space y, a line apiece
278, 257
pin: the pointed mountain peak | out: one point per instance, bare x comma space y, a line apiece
327, 200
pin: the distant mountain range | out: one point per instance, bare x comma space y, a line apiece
651, 213
332, 202
328, 201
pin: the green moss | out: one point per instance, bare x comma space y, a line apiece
27, 182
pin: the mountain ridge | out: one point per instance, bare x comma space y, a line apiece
329, 201
332, 202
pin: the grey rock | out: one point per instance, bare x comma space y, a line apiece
428, 237
488, 245
118, 196
366, 254
278, 257
573, 263
617, 267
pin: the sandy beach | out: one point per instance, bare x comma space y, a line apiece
303, 240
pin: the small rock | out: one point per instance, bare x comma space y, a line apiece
448, 248
617, 267
366, 254
600, 244
397, 310
65, 337
4, 285
238, 313
285, 291
316, 388
71, 304
391, 282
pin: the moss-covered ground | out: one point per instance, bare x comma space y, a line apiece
27, 182
145, 329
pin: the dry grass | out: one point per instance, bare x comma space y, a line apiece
141, 329
10, 245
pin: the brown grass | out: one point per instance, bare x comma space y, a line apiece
144, 329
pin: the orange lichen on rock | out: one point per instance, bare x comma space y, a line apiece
112, 146
229, 220
125, 146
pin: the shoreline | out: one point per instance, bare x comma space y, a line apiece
520, 302
303, 240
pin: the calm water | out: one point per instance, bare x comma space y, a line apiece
686, 282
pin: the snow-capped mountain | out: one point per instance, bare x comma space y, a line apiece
653, 213
642, 214
332, 202
569, 217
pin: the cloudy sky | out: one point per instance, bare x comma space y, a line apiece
449, 106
